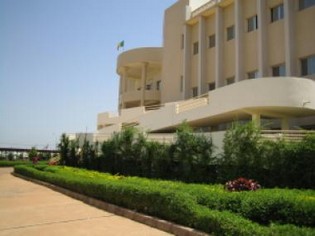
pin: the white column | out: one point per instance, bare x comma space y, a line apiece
202, 55
239, 32
256, 119
219, 38
262, 38
187, 61
285, 123
289, 38
124, 81
143, 82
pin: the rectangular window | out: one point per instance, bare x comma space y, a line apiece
253, 74
277, 13
148, 86
196, 48
181, 83
158, 85
308, 66
211, 41
252, 23
278, 70
195, 91
211, 86
230, 33
182, 41
306, 4
230, 80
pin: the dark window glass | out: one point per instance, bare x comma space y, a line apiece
277, 13
230, 33
212, 41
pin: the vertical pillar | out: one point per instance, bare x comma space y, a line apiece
289, 38
239, 32
187, 61
143, 82
262, 38
219, 39
284, 123
201, 55
256, 119
123, 86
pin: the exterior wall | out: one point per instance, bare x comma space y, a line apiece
172, 67
305, 33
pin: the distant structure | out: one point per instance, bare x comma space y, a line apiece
221, 61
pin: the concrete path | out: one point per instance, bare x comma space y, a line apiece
30, 209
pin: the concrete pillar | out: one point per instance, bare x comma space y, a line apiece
285, 123
289, 38
262, 38
256, 119
239, 50
201, 56
123, 86
219, 40
143, 82
187, 61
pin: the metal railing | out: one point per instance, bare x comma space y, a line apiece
288, 135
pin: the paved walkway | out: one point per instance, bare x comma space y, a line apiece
30, 209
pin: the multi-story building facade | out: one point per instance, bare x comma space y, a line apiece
221, 61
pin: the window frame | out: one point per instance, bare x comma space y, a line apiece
255, 73
211, 86
304, 4
307, 65
278, 69
230, 80
195, 48
277, 13
252, 23
211, 41
230, 33
194, 92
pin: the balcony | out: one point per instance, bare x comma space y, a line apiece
150, 97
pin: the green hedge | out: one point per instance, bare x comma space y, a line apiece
14, 163
181, 203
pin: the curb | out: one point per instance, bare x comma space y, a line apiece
132, 215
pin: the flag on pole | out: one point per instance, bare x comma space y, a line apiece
120, 45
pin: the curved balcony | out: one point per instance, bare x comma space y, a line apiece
135, 57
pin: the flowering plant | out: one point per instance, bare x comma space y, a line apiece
242, 184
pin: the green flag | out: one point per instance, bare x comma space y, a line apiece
120, 45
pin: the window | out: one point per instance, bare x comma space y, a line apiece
181, 83
158, 85
148, 86
306, 3
230, 80
278, 70
196, 48
230, 32
252, 23
277, 13
211, 41
182, 42
195, 91
253, 74
308, 66
211, 86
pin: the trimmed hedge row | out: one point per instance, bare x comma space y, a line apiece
14, 163
173, 201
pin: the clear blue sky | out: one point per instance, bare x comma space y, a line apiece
58, 62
